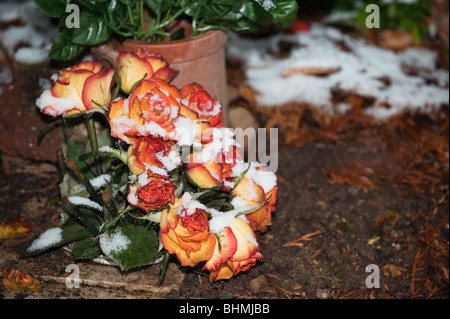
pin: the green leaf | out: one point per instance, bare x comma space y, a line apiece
69, 232
285, 12
177, 35
216, 9
87, 248
63, 49
130, 245
159, 6
53, 8
99, 6
93, 30
255, 13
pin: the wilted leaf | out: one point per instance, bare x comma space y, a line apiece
14, 279
16, 226
391, 270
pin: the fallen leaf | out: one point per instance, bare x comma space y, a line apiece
16, 226
318, 71
391, 270
14, 279
297, 242
390, 214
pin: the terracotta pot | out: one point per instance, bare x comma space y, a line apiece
198, 59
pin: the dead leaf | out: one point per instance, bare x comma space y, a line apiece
248, 93
352, 175
306, 237
14, 227
318, 71
391, 270
390, 214
14, 279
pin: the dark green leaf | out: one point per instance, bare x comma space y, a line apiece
99, 6
69, 232
87, 248
130, 245
63, 49
53, 8
285, 12
256, 13
159, 6
177, 35
93, 30
85, 216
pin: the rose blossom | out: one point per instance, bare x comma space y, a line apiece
198, 100
148, 151
248, 193
77, 89
236, 252
142, 65
150, 110
187, 235
155, 192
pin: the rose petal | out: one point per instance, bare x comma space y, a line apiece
97, 88
74, 88
167, 74
202, 176
132, 69
228, 247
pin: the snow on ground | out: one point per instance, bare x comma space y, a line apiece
362, 69
28, 27
26, 33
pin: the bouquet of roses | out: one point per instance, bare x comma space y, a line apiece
160, 176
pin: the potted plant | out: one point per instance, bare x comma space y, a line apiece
183, 31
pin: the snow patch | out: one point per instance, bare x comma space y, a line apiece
47, 239
362, 68
114, 242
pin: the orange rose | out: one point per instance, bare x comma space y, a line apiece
201, 130
187, 235
257, 186
236, 252
205, 175
248, 194
142, 65
151, 151
229, 159
206, 165
152, 192
77, 89
198, 100
150, 110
